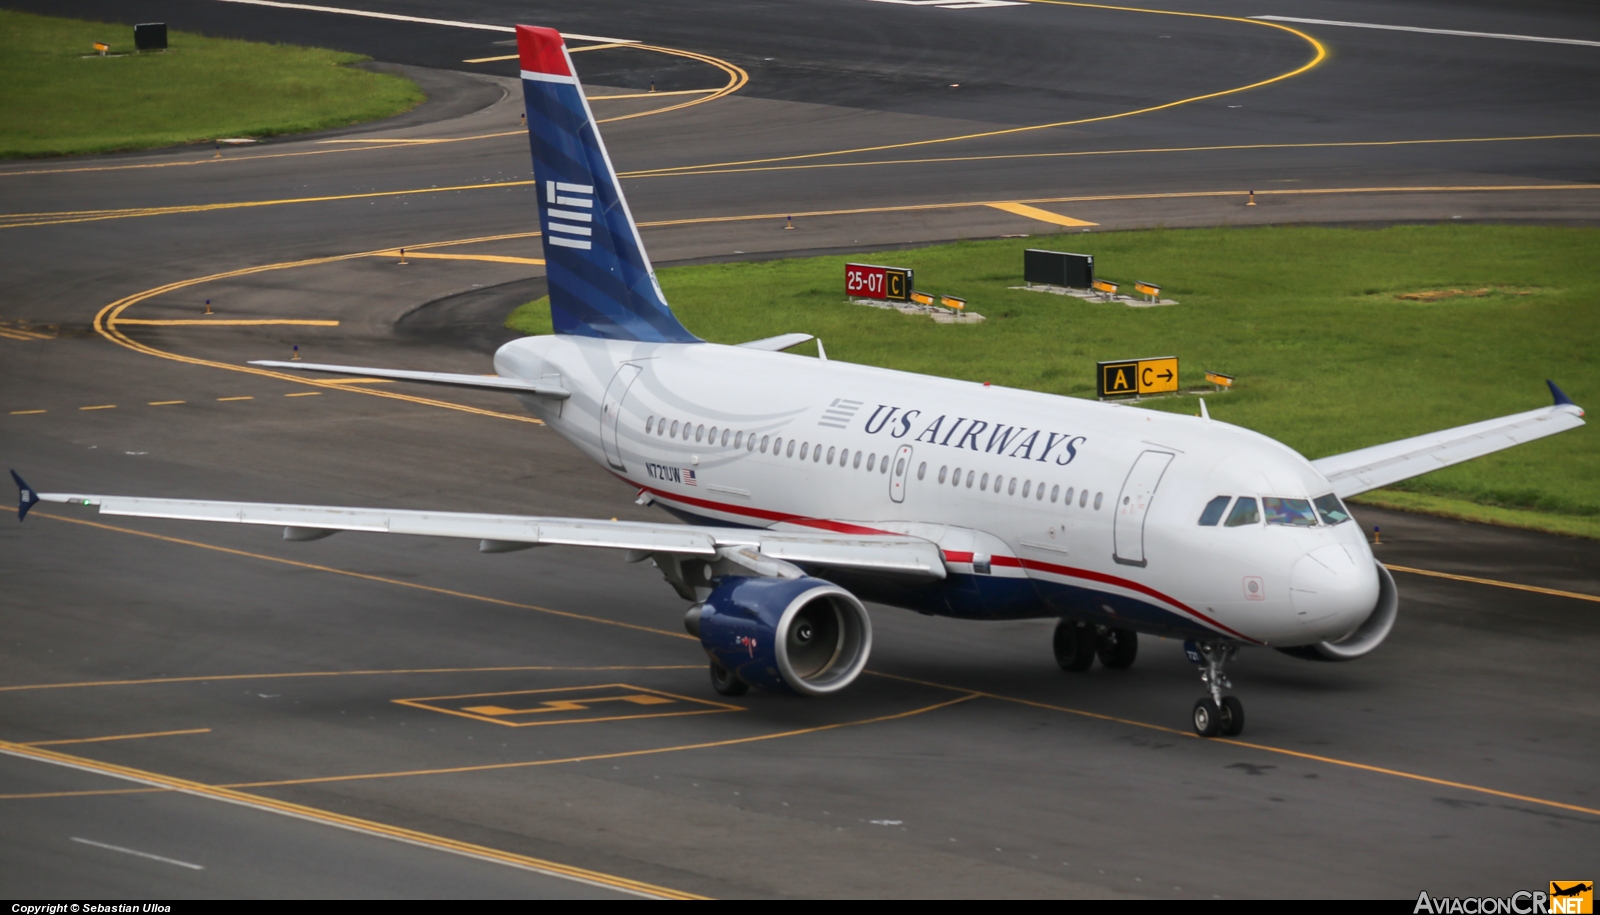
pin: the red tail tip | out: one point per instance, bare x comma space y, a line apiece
541, 51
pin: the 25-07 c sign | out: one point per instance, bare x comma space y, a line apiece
870, 281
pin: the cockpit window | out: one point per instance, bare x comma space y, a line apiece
1291, 512
1331, 509
1214, 510
1244, 512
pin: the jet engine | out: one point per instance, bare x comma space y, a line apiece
801, 635
1365, 637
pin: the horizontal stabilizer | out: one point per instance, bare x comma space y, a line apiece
904, 555
481, 382
1371, 468
780, 342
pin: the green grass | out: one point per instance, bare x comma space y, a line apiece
58, 97
1327, 358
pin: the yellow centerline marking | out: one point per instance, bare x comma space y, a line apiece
620, 754
603, 98
355, 824
27, 412
1494, 583
105, 322
1265, 748
995, 157
304, 394
1022, 209
230, 322
298, 674
488, 258
235, 398
51, 743
108, 406
737, 78
164, 403
463, 595
966, 692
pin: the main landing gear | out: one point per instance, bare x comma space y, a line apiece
726, 682
1217, 714
1078, 644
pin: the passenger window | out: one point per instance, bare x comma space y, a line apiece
944, 473
1097, 497
1083, 498
955, 479
1288, 512
763, 443
790, 451
983, 484
883, 464
1027, 487
1012, 489
1056, 491
711, 436
725, 439
649, 425
777, 446
674, 428
831, 453
922, 470
856, 465
872, 461
1331, 509
1244, 512
816, 455
970, 475
738, 440
1214, 510
699, 432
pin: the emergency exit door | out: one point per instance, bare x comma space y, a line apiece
611, 412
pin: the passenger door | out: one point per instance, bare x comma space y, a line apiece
611, 412
1133, 503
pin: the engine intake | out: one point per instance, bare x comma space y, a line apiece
1365, 637
801, 635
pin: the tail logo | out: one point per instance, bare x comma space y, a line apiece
580, 197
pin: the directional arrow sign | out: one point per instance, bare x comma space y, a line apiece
1135, 377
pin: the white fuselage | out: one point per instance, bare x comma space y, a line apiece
1062, 506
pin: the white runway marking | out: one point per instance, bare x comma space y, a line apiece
141, 854
420, 19
1412, 28
955, 4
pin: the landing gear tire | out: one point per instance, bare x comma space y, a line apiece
1207, 718
1232, 717
726, 682
1117, 648
1074, 644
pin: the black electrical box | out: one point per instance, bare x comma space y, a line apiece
1057, 268
150, 36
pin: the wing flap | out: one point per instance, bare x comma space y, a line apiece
1366, 469
780, 342
481, 382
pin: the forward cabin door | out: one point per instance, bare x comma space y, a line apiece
1134, 503
611, 412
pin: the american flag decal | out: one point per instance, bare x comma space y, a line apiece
688, 478
838, 414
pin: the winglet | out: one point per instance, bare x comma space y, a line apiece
26, 496
1561, 396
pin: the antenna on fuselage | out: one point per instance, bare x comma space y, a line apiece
821, 353
1204, 413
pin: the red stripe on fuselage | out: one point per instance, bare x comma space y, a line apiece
949, 556
540, 51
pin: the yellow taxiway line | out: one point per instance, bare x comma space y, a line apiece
1022, 209
228, 322
51, 743
1574, 595
354, 824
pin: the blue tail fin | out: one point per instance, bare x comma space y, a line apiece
601, 283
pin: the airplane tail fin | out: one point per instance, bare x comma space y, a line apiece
601, 281
27, 497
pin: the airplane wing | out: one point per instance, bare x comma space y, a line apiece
482, 382
889, 553
1370, 468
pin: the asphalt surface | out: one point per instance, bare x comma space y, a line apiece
331, 680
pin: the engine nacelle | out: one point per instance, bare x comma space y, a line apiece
801, 635
1365, 637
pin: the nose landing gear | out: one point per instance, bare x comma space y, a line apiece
1216, 714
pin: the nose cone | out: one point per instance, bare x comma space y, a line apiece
1333, 591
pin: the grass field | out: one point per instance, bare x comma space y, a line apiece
57, 96
1328, 356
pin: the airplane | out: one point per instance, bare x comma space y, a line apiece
810, 486
1577, 889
